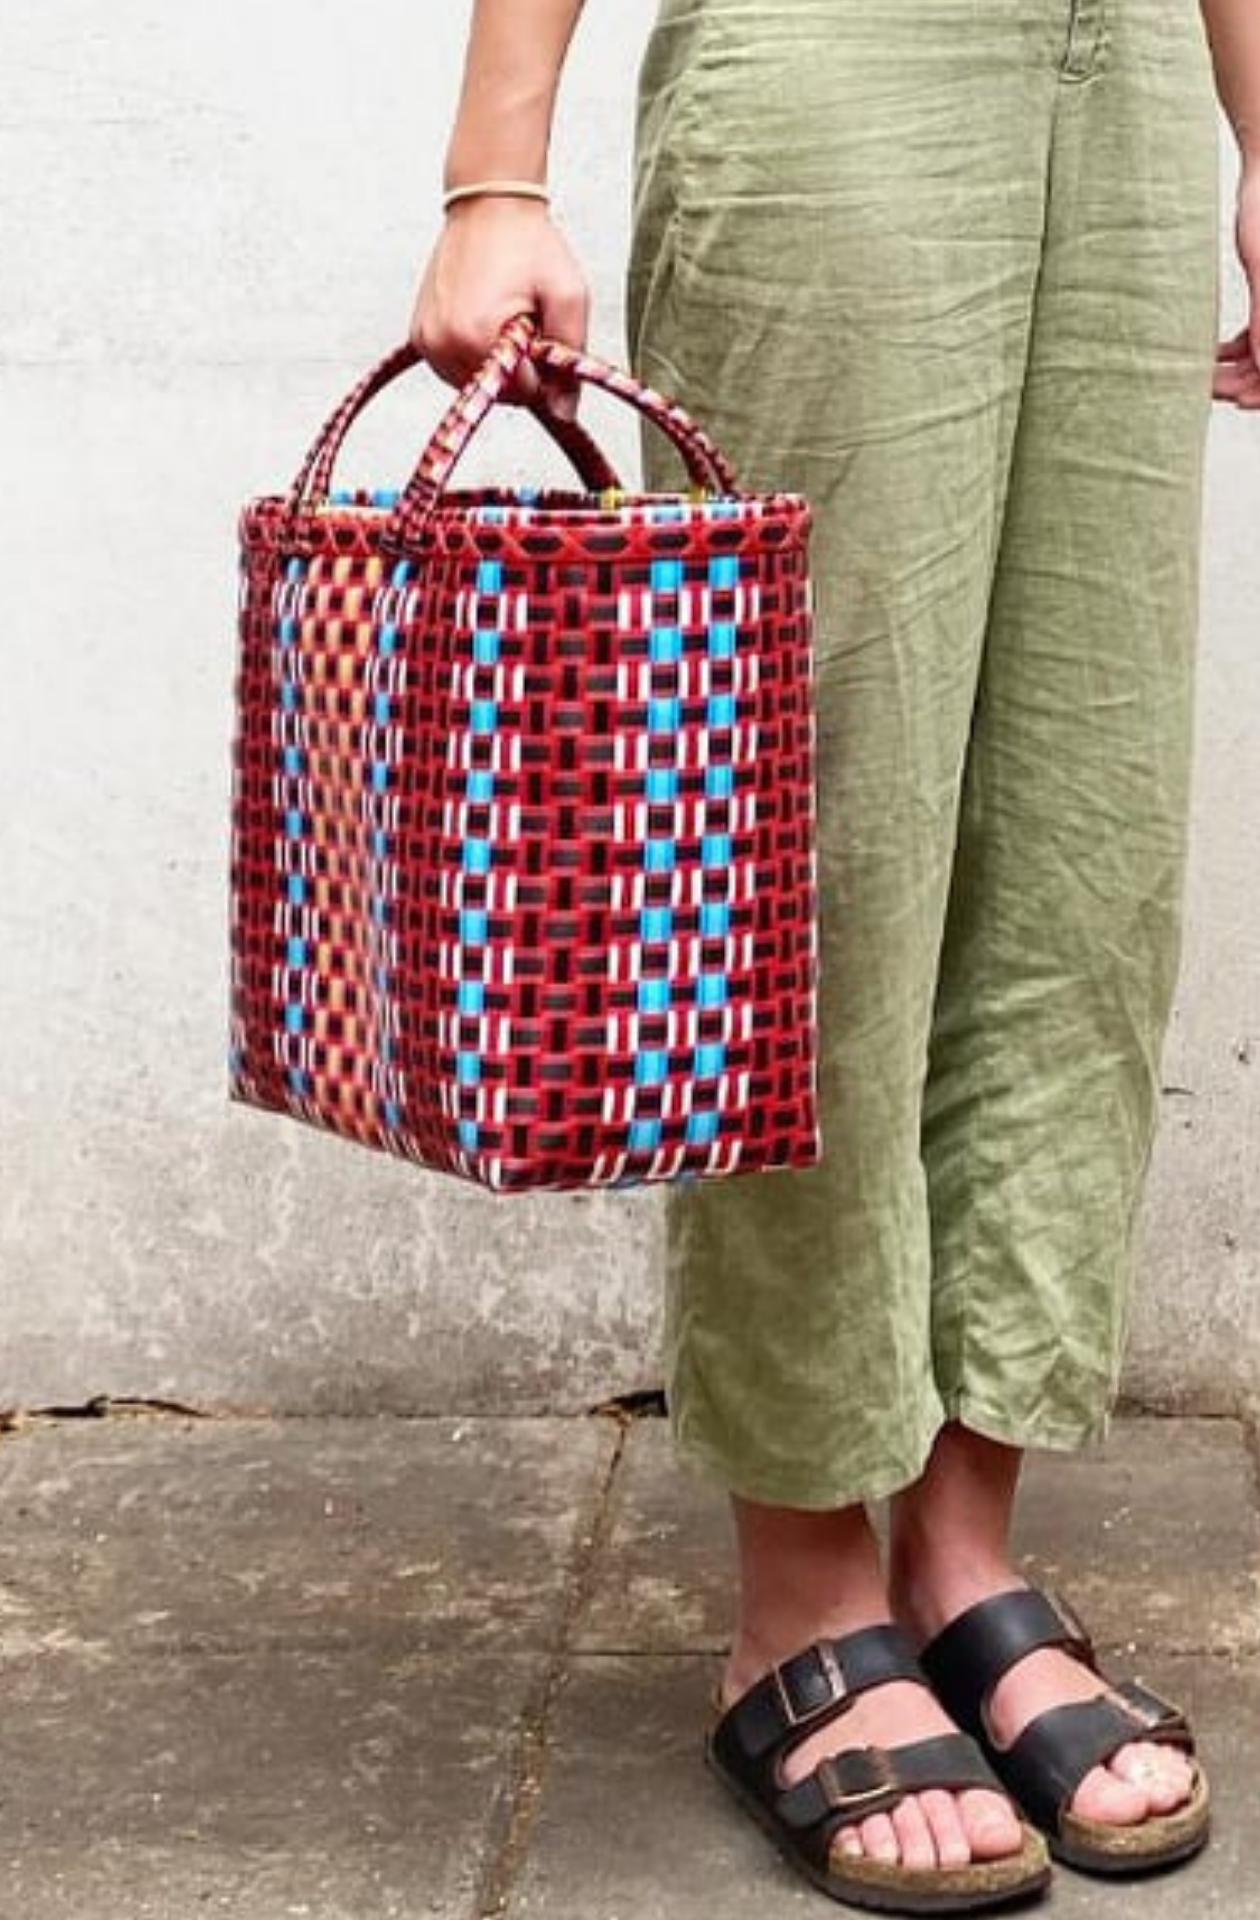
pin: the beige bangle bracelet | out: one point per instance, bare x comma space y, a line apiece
512, 189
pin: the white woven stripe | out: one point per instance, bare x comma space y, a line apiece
692, 885
505, 751
684, 960
498, 969
723, 1157
498, 888
504, 820
506, 682
692, 606
694, 677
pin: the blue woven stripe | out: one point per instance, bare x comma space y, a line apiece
290, 768
377, 497
654, 996
716, 849
712, 990
382, 769
476, 852
660, 850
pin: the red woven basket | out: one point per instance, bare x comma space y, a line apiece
523, 868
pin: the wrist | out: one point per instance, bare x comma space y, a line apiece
513, 145
526, 191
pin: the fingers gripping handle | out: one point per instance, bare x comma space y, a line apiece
314, 480
706, 466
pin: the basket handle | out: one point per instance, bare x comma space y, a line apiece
314, 479
520, 340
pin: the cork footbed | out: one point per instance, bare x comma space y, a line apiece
1095, 1846
886, 1887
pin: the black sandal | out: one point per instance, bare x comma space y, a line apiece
750, 1739
1043, 1768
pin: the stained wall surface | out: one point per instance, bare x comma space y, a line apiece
210, 221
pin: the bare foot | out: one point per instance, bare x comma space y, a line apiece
927, 1830
1142, 1780
950, 1535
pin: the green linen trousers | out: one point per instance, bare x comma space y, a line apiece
950, 268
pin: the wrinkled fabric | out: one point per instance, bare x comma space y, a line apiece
950, 268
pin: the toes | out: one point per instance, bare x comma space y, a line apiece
990, 1824
941, 1812
918, 1849
849, 1841
1170, 1790
1103, 1796
1163, 1774
879, 1839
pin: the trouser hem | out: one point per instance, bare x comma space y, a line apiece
817, 1492
898, 1471
1034, 1435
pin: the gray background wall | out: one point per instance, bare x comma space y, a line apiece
210, 220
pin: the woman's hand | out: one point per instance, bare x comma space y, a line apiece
1238, 360
495, 258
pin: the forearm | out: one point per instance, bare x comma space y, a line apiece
516, 51
1234, 32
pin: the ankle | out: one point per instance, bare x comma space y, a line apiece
768, 1639
803, 1577
932, 1579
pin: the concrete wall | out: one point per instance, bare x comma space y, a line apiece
210, 219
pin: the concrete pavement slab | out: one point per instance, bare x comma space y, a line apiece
633, 1827
279, 1670
1153, 1537
150, 1532
267, 1785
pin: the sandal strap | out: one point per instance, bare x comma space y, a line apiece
966, 1661
1044, 1768
865, 1780
814, 1686
850, 1785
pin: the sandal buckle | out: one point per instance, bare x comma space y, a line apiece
832, 1672
851, 1801
1147, 1708
1069, 1618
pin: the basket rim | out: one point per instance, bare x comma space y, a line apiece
536, 502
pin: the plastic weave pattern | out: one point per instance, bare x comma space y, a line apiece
523, 866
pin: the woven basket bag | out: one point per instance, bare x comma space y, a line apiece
523, 863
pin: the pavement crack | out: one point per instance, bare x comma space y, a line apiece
102, 1406
1251, 1443
519, 1803
643, 1403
